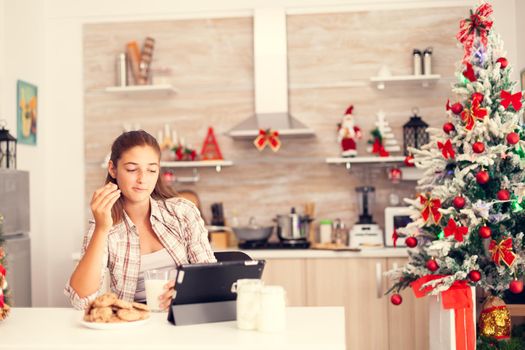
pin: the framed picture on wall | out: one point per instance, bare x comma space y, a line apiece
27, 111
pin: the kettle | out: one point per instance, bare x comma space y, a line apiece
293, 227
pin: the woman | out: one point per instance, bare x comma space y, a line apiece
138, 225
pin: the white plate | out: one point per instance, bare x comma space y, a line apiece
116, 325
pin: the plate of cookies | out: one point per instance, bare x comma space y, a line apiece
109, 312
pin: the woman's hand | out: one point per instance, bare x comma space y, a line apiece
101, 204
165, 298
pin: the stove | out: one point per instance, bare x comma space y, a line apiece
298, 244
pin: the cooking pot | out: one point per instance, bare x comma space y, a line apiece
291, 227
252, 232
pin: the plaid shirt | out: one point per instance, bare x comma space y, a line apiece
179, 227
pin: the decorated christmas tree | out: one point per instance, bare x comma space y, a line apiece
468, 218
4, 307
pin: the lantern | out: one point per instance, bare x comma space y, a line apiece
414, 132
7, 148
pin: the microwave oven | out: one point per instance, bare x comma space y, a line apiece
396, 218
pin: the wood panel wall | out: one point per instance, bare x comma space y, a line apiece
212, 64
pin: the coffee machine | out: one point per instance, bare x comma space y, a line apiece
366, 233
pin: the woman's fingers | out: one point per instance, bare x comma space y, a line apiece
102, 192
169, 285
103, 197
110, 199
165, 299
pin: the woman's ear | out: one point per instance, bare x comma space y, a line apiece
112, 169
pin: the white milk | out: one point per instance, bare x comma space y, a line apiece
154, 289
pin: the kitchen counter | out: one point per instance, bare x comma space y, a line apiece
314, 253
60, 328
325, 254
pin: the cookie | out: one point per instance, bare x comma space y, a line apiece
87, 318
114, 319
121, 304
129, 315
144, 315
101, 314
105, 300
140, 306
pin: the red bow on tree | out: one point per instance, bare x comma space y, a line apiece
502, 251
507, 99
469, 72
475, 112
478, 24
457, 231
430, 208
446, 149
267, 137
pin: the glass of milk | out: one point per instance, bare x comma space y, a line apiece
154, 282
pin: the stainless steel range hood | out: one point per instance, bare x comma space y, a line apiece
271, 79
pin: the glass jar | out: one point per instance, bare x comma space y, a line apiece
341, 235
248, 302
325, 231
272, 311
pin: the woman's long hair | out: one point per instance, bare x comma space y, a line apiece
123, 143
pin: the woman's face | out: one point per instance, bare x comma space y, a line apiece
136, 173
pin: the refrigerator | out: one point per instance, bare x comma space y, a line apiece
14, 207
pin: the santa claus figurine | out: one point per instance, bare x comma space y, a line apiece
348, 133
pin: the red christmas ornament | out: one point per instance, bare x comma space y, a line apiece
411, 242
474, 275
448, 128
409, 161
485, 232
458, 202
432, 265
503, 62
457, 108
482, 177
516, 286
503, 195
396, 299
477, 96
478, 147
513, 138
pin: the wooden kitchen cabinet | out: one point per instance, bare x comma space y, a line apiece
289, 273
352, 283
408, 322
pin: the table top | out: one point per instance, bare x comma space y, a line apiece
61, 328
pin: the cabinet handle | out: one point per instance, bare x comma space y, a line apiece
379, 279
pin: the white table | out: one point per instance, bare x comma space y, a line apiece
60, 328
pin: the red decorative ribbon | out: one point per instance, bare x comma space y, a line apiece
1, 301
502, 251
478, 24
475, 112
2, 270
507, 99
447, 106
378, 148
446, 149
457, 231
430, 209
469, 72
395, 236
267, 137
459, 298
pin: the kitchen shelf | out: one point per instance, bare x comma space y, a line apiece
424, 80
160, 88
364, 160
218, 164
